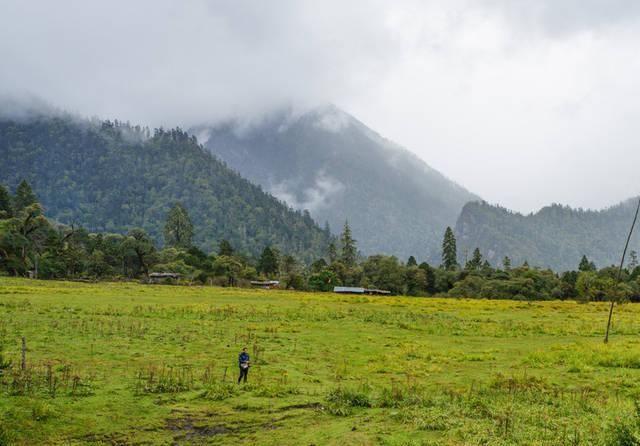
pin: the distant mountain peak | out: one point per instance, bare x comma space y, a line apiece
332, 119
325, 160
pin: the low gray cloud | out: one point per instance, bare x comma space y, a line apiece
322, 194
560, 18
523, 102
167, 61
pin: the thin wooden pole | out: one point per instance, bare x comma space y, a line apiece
624, 253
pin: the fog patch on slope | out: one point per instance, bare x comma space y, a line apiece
321, 195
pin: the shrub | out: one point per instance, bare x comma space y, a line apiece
219, 391
4, 364
348, 397
165, 379
397, 396
41, 411
622, 435
625, 433
5, 435
275, 391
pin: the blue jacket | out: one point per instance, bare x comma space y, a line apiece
244, 357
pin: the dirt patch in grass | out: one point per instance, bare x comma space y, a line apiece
187, 427
190, 428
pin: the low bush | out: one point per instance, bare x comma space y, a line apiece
348, 397
220, 391
625, 433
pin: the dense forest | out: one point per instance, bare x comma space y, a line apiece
111, 177
330, 163
554, 237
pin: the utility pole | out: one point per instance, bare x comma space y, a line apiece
624, 253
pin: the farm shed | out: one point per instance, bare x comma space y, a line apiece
359, 290
266, 284
163, 277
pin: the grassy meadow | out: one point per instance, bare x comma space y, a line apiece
124, 363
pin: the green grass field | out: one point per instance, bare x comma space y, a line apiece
118, 364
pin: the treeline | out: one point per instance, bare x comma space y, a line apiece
32, 245
476, 278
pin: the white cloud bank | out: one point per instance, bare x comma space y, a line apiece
523, 102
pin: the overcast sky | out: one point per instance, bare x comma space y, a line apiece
523, 102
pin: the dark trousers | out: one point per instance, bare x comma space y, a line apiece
243, 373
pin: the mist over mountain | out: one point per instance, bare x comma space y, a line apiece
556, 236
111, 176
331, 164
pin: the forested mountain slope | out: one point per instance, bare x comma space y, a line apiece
328, 162
556, 236
109, 176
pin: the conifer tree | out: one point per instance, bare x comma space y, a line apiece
5, 203
486, 267
633, 260
349, 249
24, 197
412, 261
476, 261
178, 230
333, 251
506, 263
327, 229
225, 248
429, 277
268, 263
585, 265
449, 250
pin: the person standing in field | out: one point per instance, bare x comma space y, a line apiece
243, 362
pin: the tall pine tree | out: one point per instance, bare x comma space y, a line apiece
332, 251
449, 250
349, 249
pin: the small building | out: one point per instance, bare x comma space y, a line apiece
265, 284
163, 277
360, 290
349, 290
378, 292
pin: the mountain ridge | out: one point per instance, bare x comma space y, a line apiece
556, 236
332, 164
110, 176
